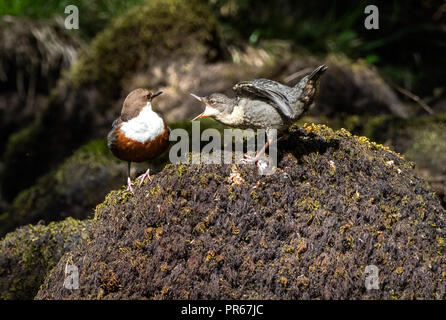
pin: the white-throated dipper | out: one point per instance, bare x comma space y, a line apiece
263, 104
139, 134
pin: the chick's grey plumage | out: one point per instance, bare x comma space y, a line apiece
258, 114
263, 103
292, 102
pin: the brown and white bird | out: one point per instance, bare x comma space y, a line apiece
139, 134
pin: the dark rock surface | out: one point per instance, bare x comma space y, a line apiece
336, 204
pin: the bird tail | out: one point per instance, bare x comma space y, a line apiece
317, 72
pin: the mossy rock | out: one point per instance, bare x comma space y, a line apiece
71, 190
336, 204
84, 103
28, 254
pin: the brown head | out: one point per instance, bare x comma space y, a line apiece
135, 101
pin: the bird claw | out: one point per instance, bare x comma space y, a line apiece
259, 161
248, 159
142, 177
261, 166
130, 185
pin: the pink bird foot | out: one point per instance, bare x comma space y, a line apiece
130, 185
142, 177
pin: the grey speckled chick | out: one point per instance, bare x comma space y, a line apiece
263, 104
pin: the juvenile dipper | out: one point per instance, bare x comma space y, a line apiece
263, 104
139, 134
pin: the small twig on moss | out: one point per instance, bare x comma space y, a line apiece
415, 98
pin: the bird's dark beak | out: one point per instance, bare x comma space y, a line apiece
156, 94
208, 111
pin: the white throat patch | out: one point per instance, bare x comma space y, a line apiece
145, 127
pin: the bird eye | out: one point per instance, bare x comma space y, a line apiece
212, 101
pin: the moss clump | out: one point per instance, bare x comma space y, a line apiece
28, 254
181, 170
313, 241
73, 189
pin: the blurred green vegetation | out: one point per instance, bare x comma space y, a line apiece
93, 15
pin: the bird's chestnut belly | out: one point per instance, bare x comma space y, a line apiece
131, 150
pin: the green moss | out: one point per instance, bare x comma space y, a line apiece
441, 243
200, 228
209, 256
155, 190
283, 281
254, 195
181, 170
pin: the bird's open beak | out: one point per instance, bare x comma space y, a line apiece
156, 94
208, 111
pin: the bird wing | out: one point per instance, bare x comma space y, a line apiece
116, 123
111, 137
266, 90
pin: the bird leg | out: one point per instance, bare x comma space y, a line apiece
248, 159
142, 177
256, 159
130, 183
